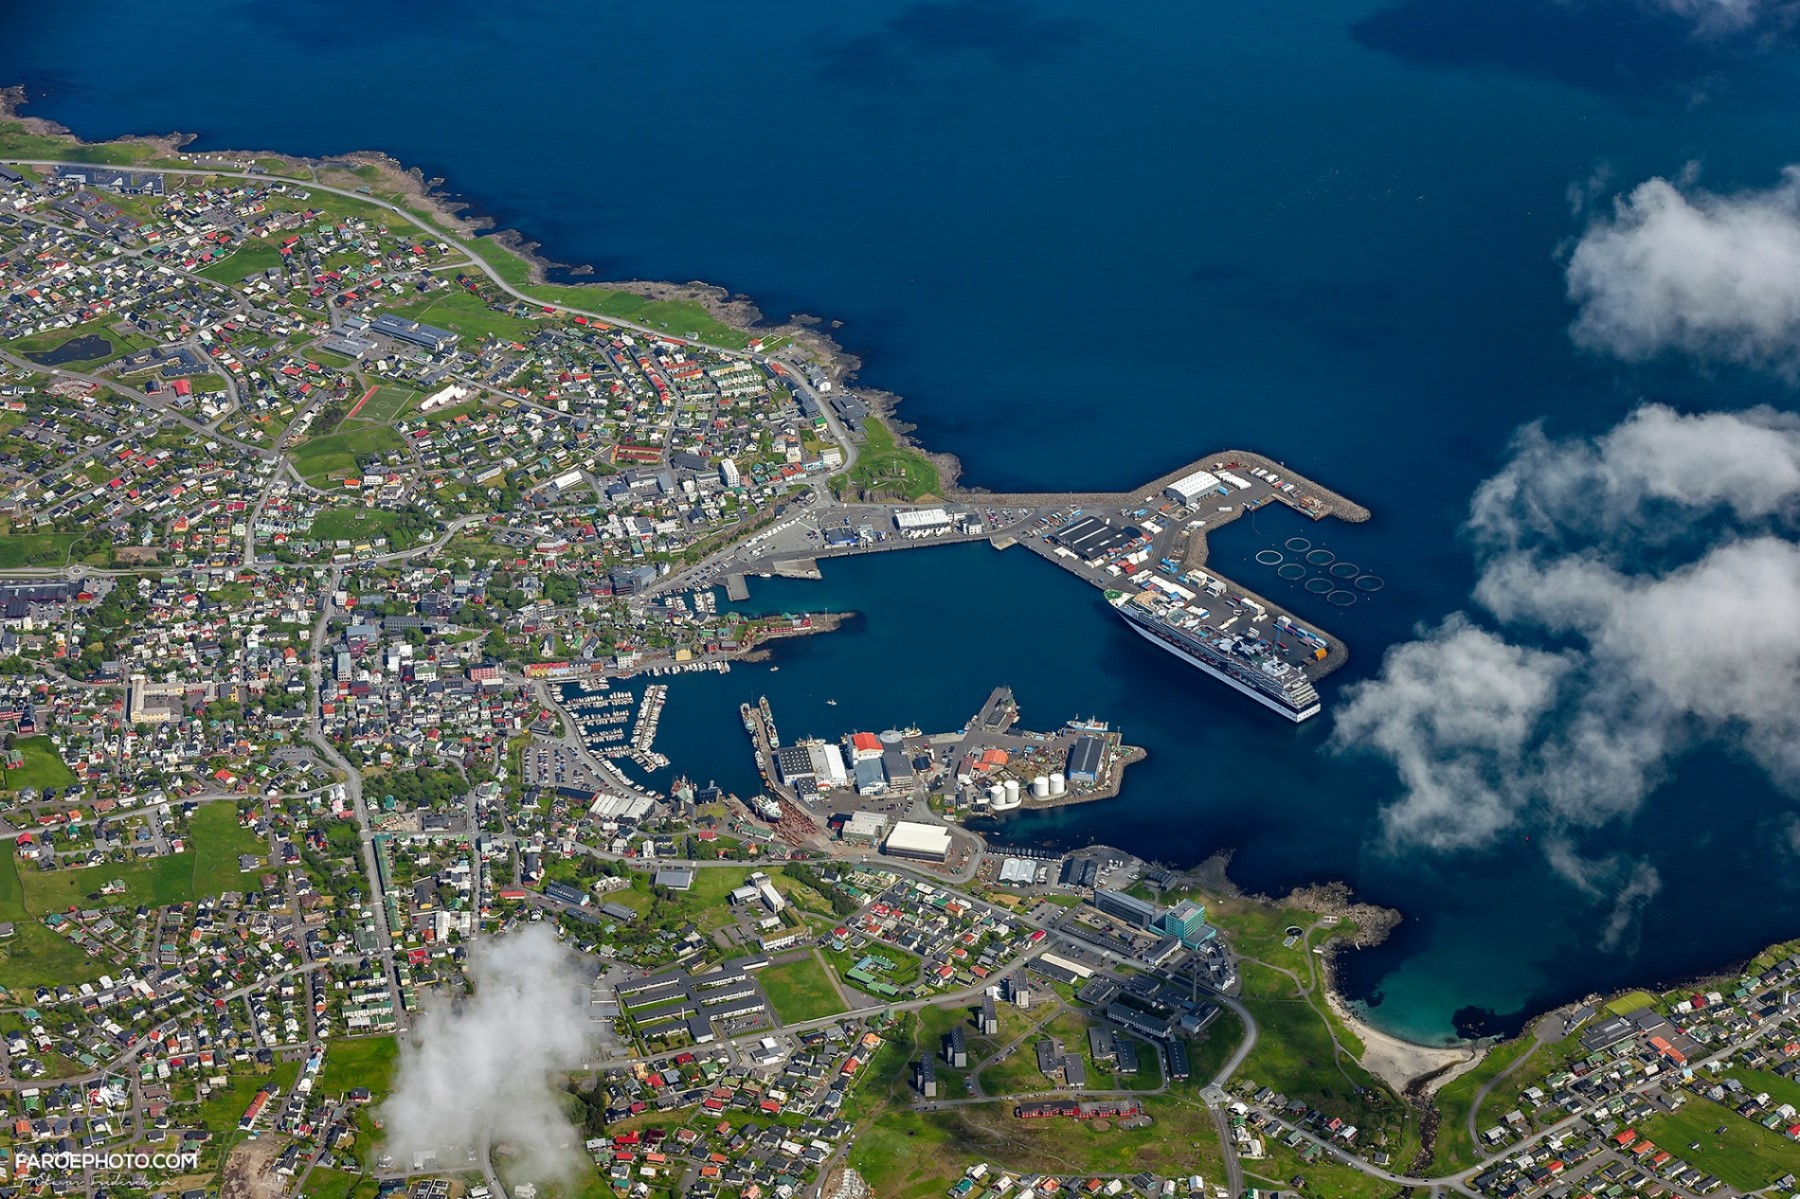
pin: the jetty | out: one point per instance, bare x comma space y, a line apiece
1152, 538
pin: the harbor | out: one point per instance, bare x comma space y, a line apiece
814, 793
1146, 549
988, 767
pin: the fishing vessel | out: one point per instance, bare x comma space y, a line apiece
1241, 663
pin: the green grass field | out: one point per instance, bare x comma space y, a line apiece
1016, 1075
885, 467
221, 1111
1294, 1054
678, 318
1781, 1090
1453, 1148
15, 142
251, 258
43, 767
209, 867
387, 405
1631, 1001
216, 839
468, 314
364, 1062
706, 903
336, 362
917, 1155
1148, 1076
158, 881
34, 956
1745, 1155
1282, 1165
800, 990
1208, 1055
325, 1183
35, 549
353, 524
1544, 1061
319, 457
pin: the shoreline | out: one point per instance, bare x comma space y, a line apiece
429, 200
1403, 1064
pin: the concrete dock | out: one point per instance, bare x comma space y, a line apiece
1177, 532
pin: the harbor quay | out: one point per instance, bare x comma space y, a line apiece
1146, 548
989, 765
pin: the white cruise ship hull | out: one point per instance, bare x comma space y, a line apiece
1294, 714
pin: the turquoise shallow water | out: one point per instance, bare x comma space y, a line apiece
1086, 243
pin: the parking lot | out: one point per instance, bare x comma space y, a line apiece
554, 764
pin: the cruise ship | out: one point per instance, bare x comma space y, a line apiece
1234, 661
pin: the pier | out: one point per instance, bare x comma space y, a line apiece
1154, 536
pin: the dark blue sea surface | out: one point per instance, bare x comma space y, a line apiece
1087, 243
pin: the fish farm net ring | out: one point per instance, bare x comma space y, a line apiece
1270, 557
1292, 570
1321, 557
1318, 586
1298, 544
1370, 583
1345, 570
1342, 599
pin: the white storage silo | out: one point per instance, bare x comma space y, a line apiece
1012, 792
1040, 787
1058, 784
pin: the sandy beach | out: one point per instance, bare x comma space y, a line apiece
1397, 1061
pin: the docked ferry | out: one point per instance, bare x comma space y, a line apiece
1238, 663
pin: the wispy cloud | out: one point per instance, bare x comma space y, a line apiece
1674, 267
1658, 644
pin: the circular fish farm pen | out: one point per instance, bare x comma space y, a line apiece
1319, 586
1270, 557
1321, 557
1291, 570
1298, 544
1370, 583
1345, 570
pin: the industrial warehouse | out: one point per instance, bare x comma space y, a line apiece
863, 786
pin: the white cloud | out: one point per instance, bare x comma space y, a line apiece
1455, 712
1623, 486
484, 1069
1676, 267
1486, 731
1720, 16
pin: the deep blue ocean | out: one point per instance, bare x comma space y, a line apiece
1087, 243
